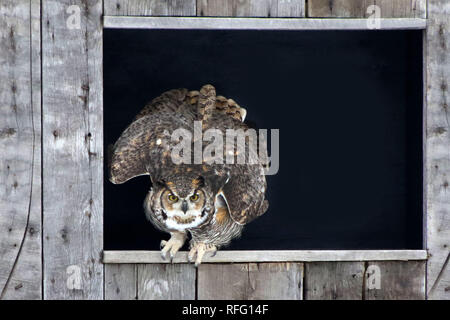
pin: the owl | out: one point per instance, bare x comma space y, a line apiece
209, 199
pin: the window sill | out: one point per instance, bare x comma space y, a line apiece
228, 256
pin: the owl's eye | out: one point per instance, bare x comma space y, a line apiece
194, 197
172, 197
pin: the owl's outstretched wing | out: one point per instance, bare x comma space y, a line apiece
244, 194
144, 147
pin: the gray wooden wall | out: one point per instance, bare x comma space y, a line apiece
274, 281
51, 163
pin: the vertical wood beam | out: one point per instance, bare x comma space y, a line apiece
251, 8
120, 281
73, 149
395, 280
437, 149
250, 281
166, 281
20, 145
358, 8
334, 280
184, 8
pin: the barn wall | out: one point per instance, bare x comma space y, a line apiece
51, 164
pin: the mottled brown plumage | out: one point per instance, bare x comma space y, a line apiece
232, 194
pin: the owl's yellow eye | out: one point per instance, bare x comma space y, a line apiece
194, 197
172, 198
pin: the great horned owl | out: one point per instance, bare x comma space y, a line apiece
210, 200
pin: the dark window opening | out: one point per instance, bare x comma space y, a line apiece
349, 108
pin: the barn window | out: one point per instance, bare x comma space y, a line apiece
348, 104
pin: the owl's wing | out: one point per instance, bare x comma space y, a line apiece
144, 147
244, 194
169, 101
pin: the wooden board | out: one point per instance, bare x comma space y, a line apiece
20, 145
73, 144
251, 8
149, 8
437, 149
250, 281
166, 281
268, 256
397, 280
120, 282
334, 280
359, 8
256, 23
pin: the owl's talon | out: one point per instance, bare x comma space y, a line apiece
199, 250
172, 246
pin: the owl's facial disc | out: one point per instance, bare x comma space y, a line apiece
183, 212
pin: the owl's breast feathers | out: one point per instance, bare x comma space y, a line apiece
145, 147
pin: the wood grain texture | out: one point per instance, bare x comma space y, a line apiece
399, 280
358, 8
121, 282
73, 144
250, 281
251, 8
166, 282
402, 8
224, 256
20, 157
334, 280
222, 23
437, 149
150, 7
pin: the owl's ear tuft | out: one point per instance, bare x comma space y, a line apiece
160, 183
198, 182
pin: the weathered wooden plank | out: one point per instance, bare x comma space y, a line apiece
121, 282
73, 144
402, 8
257, 23
437, 146
359, 8
150, 8
20, 159
251, 8
166, 282
395, 280
225, 256
334, 280
250, 281
338, 8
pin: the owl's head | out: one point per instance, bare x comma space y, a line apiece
183, 200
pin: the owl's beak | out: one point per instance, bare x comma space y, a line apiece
184, 206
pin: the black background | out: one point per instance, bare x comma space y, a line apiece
349, 108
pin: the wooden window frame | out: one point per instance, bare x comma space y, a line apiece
299, 24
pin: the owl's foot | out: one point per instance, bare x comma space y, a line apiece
199, 249
172, 246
